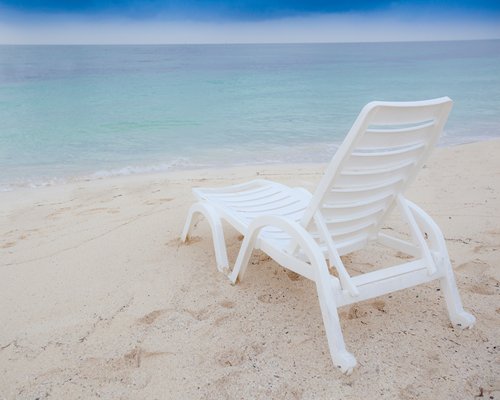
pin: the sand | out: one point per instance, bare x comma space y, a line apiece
99, 299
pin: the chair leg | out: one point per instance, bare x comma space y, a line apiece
188, 224
341, 358
217, 232
458, 316
243, 258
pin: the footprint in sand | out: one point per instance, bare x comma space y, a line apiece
361, 310
235, 357
190, 240
7, 245
134, 357
151, 317
93, 211
378, 305
58, 212
157, 201
487, 287
221, 320
272, 298
485, 248
227, 304
473, 267
230, 358
480, 282
354, 312
199, 315
293, 276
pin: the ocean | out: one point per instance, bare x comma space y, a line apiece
88, 112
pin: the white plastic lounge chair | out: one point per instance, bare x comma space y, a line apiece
363, 183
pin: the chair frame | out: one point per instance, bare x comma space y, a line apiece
427, 244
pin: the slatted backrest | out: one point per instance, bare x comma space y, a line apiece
379, 158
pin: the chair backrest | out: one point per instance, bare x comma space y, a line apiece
378, 159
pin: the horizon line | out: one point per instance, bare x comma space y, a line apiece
252, 43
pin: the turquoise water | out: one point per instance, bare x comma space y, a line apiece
70, 112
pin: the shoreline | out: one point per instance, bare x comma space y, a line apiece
162, 169
98, 297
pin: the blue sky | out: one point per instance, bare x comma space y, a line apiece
239, 9
225, 21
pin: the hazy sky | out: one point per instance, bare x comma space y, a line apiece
244, 21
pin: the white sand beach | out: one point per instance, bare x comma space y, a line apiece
99, 299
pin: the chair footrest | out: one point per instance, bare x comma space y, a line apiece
390, 272
383, 281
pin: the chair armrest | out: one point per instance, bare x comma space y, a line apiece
430, 229
297, 233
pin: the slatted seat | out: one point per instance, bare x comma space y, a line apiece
365, 180
242, 203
